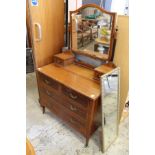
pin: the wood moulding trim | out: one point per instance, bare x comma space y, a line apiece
91, 54
93, 5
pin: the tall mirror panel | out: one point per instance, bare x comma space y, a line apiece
110, 107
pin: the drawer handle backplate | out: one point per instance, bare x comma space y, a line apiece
73, 121
59, 61
47, 82
72, 96
73, 108
48, 93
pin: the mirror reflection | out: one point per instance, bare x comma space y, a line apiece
91, 30
110, 101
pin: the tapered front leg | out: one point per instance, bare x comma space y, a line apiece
104, 120
43, 109
87, 141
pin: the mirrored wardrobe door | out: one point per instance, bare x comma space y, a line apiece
110, 107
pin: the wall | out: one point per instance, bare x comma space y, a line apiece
108, 4
121, 57
119, 6
91, 1
72, 4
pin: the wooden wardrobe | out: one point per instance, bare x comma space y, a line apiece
46, 29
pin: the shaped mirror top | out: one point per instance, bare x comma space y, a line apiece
92, 29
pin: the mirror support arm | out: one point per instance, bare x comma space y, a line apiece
66, 23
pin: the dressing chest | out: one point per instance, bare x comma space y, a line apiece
71, 95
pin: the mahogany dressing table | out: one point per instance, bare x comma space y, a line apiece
69, 87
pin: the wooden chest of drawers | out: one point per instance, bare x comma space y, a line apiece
76, 109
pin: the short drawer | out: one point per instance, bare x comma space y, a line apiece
46, 81
58, 61
75, 97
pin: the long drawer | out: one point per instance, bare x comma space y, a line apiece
75, 97
64, 113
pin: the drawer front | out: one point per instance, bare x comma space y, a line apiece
58, 61
64, 114
74, 108
97, 75
46, 81
75, 97
48, 94
65, 103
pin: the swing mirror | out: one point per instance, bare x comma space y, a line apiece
110, 107
92, 31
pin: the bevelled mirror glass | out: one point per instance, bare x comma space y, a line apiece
92, 31
110, 107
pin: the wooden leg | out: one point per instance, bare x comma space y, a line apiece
104, 120
43, 109
87, 140
82, 41
101, 139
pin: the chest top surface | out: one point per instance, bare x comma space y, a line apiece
74, 77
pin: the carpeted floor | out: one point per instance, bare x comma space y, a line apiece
50, 136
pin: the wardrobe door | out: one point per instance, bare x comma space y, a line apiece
47, 27
121, 58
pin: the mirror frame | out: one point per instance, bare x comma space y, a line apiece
103, 148
95, 55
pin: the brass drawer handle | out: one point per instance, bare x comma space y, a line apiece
73, 108
47, 82
73, 121
59, 61
48, 93
72, 96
